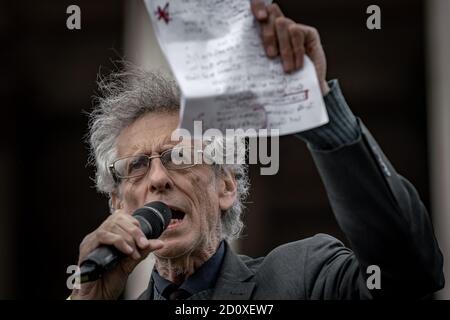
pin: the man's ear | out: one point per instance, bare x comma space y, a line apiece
116, 201
227, 190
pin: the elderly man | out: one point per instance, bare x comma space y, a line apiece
379, 211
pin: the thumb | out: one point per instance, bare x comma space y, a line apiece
128, 264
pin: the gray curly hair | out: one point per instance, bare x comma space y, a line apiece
123, 97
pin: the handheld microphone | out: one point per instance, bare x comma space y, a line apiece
153, 217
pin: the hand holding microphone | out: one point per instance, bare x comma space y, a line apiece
112, 251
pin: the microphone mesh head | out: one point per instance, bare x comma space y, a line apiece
157, 214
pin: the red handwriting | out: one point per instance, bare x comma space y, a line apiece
163, 13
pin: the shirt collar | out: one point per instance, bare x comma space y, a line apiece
202, 279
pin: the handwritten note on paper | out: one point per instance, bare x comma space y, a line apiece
215, 51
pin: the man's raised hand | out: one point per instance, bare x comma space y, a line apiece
282, 36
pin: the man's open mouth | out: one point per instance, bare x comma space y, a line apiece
177, 217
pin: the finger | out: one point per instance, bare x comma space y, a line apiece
284, 43
268, 31
87, 245
274, 10
130, 239
259, 10
311, 36
269, 39
128, 265
132, 227
298, 44
119, 230
109, 238
153, 245
122, 215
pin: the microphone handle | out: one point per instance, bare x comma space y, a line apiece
99, 261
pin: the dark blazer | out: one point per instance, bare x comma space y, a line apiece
384, 220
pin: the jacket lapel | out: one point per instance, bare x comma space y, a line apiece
148, 293
232, 283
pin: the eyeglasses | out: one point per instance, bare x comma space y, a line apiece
136, 166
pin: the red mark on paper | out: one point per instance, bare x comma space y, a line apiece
305, 94
163, 13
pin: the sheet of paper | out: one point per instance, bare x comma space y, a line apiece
215, 51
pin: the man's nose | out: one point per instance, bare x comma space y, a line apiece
158, 177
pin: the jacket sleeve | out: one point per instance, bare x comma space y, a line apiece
385, 222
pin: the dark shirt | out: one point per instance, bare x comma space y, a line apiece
203, 278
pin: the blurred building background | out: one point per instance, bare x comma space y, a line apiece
396, 79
